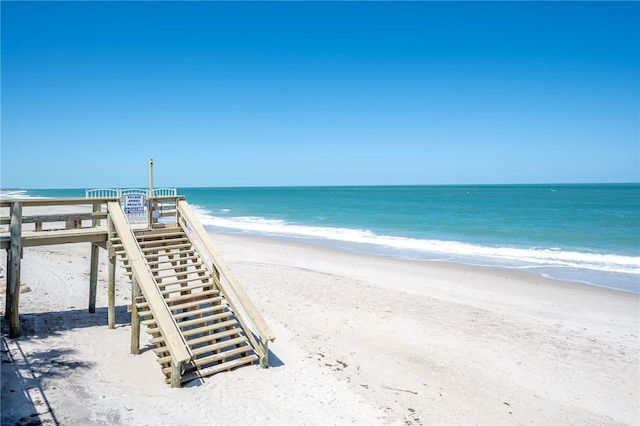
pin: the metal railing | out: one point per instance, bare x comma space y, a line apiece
154, 204
120, 193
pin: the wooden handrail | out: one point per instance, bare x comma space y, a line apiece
7, 202
59, 217
176, 344
230, 286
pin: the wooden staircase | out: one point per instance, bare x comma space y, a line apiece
216, 340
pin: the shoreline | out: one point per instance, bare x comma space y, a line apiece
360, 339
628, 283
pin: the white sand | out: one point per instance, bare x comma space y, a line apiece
360, 340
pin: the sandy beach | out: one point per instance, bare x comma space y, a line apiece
360, 340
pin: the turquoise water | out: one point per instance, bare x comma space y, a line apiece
585, 233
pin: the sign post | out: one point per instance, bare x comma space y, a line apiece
150, 208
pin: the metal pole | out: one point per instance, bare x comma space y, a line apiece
150, 207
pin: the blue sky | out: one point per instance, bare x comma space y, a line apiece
319, 93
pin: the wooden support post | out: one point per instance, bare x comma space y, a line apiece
264, 346
135, 318
96, 209
176, 374
111, 277
14, 255
93, 277
111, 288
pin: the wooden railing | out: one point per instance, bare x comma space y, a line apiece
71, 226
84, 216
97, 222
248, 316
174, 340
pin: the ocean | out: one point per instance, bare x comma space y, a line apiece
587, 233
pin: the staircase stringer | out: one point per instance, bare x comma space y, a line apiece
174, 340
237, 299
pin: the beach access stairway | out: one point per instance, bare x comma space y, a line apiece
199, 318
199, 323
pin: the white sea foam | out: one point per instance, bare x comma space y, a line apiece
516, 257
14, 193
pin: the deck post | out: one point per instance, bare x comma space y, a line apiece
111, 276
14, 254
111, 290
135, 318
93, 277
176, 374
264, 346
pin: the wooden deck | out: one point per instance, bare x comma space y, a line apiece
198, 314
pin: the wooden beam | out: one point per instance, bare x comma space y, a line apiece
60, 236
13, 270
135, 318
60, 217
111, 276
93, 277
27, 202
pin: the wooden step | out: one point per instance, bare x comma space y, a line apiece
190, 256
180, 277
195, 331
167, 292
212, 327
200, 272
184, 300
205, 319
193, 266
215, 300
163, 234
215, 358
185, 284
236, 342
205, 310
158, 258
222, 355
159, 241
229, 365
193, 343
165, 249
188, 323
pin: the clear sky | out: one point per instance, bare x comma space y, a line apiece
319, 93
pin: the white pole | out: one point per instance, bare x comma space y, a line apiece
150, 208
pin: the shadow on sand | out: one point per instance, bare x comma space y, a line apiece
23, 400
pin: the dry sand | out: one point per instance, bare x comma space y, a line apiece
360, 340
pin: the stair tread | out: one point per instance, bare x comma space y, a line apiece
189, 323
215, 347
199, 330
212, 294
249, 359
215, 358
192, 287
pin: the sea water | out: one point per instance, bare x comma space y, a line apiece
587, 233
